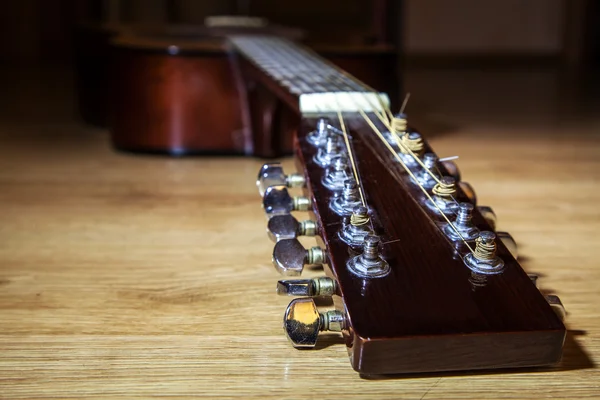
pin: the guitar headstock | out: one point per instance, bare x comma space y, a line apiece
420, 279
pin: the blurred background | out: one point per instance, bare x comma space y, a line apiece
529, 57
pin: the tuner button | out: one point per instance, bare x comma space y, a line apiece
508, 242
489, 215
302, 322
277, 201
557, 306
452, 169
285, 226
323, 286
290, 257
469, 192
271, 174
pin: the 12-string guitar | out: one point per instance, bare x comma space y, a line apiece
419, 278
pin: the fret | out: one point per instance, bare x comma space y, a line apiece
320, 86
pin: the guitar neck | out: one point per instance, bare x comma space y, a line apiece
304, 80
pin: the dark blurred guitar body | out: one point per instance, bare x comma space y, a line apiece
177, 89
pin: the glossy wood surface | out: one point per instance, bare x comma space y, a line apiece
138, 276
430, 304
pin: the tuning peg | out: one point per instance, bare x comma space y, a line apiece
557, 306
302, 322
271, 174
285, 226
509, 242
290, 257
277, 201
469, 192
554, 301
489, 215
452, 169
322, 286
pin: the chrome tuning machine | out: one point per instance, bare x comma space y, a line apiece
277, 201
285, 226
271, 174
290, 257
302, 322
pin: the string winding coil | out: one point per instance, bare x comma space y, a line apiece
484, 250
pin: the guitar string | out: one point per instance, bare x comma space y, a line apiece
391, 149
443, 189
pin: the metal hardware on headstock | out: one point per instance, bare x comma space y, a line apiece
484, 259
303, 322
334, 148
430, 297
277, 201
323, 130
348, 200
290, 257
336, 175
285, 226
317, 287
414, 143
271, 174
424, 176
369, 264
553, 300
355, 227
462, 224
444, 197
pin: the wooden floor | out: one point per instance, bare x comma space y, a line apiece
131, 276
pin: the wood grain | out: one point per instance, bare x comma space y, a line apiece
136, 276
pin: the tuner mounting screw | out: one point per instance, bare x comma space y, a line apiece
483, 259
290, 257
285, 226
462, 224
369, 264
349, 199
271, 174
302, 322
316, 287
356, 227
277, 201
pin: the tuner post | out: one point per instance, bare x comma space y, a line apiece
443, 196
327, 154
483, 259
462, 228
336, 174
302, 322
427, 175
356, 227
319, 136
348, 200
369, 264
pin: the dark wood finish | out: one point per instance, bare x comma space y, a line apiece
182, 102
431, 313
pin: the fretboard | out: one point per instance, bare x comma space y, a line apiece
319, 85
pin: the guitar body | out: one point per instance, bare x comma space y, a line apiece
177, 90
